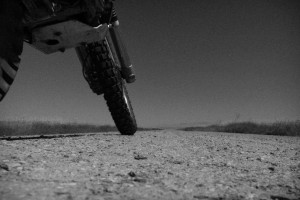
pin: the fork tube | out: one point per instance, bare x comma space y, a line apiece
126, 66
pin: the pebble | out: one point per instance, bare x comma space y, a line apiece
4, 166
132, 174
140, 180
178, 162
271, 169
140, 157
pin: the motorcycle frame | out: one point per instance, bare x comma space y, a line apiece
56, 32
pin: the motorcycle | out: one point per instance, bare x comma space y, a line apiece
91, 27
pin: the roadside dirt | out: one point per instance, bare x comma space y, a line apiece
151, 165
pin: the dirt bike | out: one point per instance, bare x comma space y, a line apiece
91, 27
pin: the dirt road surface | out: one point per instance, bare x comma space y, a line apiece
165, 164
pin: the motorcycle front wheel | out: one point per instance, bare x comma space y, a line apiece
105, 77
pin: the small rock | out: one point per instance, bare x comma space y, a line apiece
4, 166
140, 157
132, 174
259, 159
178, 162
271, 169
22, 162
201, 197
140, 180
199, 185
108, 190
19, 168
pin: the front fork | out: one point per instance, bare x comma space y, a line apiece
118, 49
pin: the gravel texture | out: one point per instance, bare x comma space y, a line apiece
165, 164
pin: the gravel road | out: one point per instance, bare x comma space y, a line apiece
164, 164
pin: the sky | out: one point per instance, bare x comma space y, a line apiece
196, 62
